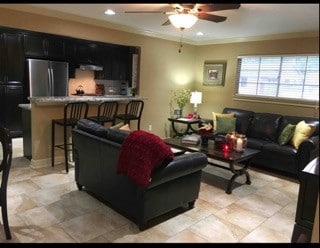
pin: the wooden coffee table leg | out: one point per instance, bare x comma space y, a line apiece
237, 173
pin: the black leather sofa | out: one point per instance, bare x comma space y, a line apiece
173, 184
263, 130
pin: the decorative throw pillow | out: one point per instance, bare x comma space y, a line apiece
286, 134
302, 132
214, 115
117, 126
125, 127
225, 124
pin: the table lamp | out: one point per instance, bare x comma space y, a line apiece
196, 98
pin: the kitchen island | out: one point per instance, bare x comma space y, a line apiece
36, 121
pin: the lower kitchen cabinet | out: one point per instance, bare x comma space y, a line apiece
10, 114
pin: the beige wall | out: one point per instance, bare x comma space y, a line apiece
217, 97
162, 68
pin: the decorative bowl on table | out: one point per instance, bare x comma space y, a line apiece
205, 132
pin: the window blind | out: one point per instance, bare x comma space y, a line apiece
287, 76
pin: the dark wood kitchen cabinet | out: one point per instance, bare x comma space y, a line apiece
115, 62
86, 52
10, 115
44, 47
12, 58
12, 62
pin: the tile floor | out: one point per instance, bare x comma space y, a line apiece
44, 205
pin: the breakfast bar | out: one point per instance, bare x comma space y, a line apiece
37, 116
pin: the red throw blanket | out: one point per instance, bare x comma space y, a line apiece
140, 153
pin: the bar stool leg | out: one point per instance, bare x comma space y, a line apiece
5, 217
65, 147
52, 142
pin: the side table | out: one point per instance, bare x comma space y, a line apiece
186, 121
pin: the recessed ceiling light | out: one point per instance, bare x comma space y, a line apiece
109, 12
199, 34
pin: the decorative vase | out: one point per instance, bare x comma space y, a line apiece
231, 138
181, 111
240, 142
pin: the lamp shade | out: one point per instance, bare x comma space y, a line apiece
196, 97
183, 21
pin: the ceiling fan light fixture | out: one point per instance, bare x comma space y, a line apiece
183, 21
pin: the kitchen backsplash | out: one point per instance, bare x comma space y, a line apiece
84, 78
88, 83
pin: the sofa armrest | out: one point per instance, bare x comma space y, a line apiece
308, 150
309, 144
180, 166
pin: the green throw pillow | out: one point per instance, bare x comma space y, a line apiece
225, 124
286, 134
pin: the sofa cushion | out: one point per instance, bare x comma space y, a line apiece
296, 119
214, 118
117, 135
92, 127
243, 118
256, 143
286, 134
225, 125
265, 126
302, 132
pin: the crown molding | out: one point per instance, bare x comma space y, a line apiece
95, 22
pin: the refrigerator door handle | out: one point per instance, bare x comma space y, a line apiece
52, 83
49, 83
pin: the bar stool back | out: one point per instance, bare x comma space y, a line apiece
73, 112
107, 111
133, 111
5, 166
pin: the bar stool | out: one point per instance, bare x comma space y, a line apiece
107, 111
73, 112
5, 165
133, 112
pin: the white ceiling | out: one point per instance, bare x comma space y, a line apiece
249, 22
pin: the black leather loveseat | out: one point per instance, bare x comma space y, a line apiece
263, 130
174, 184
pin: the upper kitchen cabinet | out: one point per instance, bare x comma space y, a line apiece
86, 52
44, 46
12, 58
115, 63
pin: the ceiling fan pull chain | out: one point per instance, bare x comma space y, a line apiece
180, 45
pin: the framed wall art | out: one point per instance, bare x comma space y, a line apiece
214, 73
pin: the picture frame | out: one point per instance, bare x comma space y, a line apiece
214, 73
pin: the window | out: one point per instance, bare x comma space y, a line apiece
279, 77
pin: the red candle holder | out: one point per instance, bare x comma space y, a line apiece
226, 147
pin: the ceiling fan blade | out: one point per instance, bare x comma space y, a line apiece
217, 7
144, 11
212, 18
166, 23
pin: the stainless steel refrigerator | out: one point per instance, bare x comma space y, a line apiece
47, 78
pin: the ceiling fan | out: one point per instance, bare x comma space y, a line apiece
185, 15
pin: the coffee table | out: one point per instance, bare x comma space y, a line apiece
232, 158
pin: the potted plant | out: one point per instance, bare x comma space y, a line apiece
133, 91
182, 97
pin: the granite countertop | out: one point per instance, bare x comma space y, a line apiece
26, 106
56, 100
